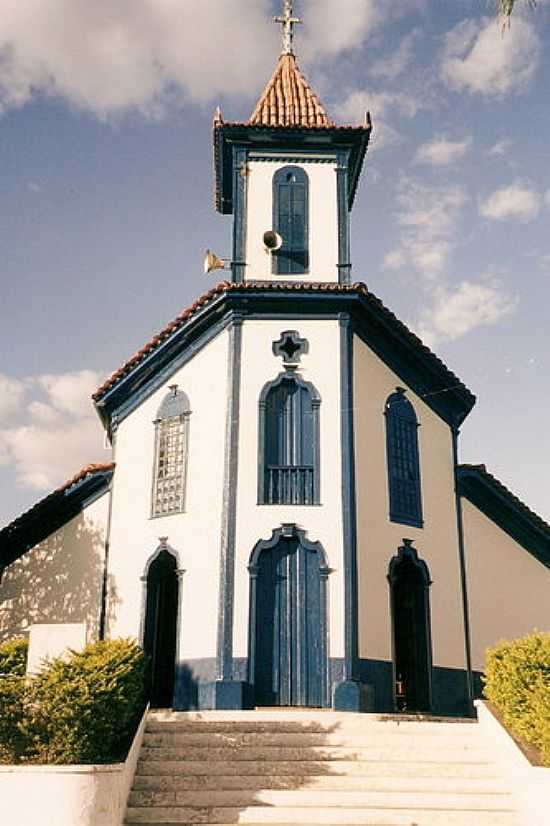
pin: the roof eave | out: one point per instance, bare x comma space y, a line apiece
227, 135
500, 505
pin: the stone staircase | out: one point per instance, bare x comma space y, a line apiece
315, 767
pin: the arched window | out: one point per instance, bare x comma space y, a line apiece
171, 437
289, 442
290, 220
403, 461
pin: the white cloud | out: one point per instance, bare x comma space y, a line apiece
11, 395
515, 201
383, 107
57, 436
479, 59
70, 392
458, 310
396, 62
500, 148
109, 55
429, 217
442, 151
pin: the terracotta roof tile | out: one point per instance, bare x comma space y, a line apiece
288, 99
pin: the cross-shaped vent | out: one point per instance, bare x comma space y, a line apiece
290, 346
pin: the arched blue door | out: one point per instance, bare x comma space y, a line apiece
289, 645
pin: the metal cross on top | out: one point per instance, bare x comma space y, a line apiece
287, 21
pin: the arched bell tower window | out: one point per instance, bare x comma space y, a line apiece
403, 460
171, 443
288, 467
290, 220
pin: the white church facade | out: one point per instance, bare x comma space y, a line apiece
285, 521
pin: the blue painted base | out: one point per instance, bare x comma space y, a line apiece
353, 696
224, 694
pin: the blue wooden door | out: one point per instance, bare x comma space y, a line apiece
290, 647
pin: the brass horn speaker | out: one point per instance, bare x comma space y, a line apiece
212, 262
272, 240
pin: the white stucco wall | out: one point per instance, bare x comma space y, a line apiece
60, 579
194, 534
323, 221
508, 589
379, 539
321, 522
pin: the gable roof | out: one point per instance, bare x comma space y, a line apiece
401, 349
500, 505
289, 100
55, 510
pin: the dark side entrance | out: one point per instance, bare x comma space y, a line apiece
159, 641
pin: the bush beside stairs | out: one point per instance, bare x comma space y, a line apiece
315, 767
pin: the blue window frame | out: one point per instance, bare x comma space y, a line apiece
288, 472
290, 220
403, 460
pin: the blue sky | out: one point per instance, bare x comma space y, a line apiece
106, 199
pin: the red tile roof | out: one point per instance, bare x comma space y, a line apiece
87, 470
288, 99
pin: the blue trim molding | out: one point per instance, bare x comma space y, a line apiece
240, 174
350, 694
344, 263
229, 514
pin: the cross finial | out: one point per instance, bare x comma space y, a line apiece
287, 21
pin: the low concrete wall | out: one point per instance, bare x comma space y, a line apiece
529, 784
68, 795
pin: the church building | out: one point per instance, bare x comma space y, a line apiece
285, 521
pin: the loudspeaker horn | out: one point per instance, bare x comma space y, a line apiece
212, 262
272, 240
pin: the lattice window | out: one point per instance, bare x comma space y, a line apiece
403, 460
171, 436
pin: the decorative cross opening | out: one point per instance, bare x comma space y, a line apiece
290, 347
287, 22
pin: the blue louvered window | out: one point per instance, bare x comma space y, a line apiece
403, 460
289, 443
290, 220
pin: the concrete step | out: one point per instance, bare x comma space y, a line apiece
351, 738
329, 722
375, 768
345, 782
462, 753
304, 798
358, 817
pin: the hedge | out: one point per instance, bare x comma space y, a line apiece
517, 682
13, 657
83, 708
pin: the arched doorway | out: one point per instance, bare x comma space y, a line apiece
288, 660
160, 627
410, 607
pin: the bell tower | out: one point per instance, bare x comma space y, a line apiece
288, 176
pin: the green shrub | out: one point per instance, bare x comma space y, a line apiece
517, 682
13, 657
85, 709
14, 742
